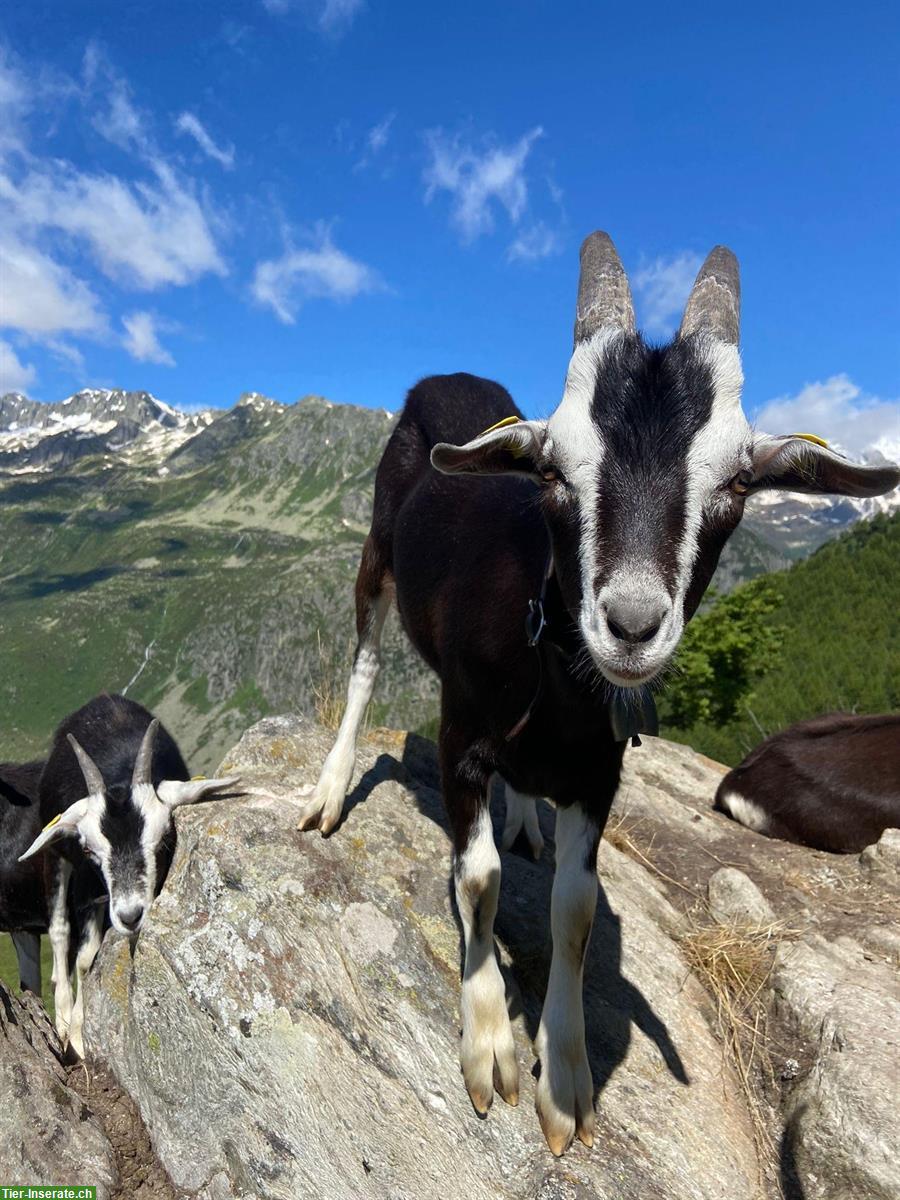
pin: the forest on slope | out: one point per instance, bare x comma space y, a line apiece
820, 637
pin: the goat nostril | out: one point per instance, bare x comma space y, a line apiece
131, 918
633, 623
648, 634
616, 630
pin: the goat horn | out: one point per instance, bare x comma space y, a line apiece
715, 300
145, 756
604, 297
89, 769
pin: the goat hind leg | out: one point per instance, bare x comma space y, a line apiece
28, 955
374, 592
521, 813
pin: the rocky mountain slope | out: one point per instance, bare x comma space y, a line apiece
205, 561
287, 1023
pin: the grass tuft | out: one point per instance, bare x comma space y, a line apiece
734, 963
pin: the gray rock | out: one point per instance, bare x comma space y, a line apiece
843, 1122
883, 857
667, 782
288, 1021
734, 899
48, 1134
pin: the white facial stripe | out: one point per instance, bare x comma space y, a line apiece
90, 833
713, 450
578, 447
157, 821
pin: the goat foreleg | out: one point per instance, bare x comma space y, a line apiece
89, 944
488, 1052
565, 1091
60, 934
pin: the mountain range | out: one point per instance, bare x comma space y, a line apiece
204, 561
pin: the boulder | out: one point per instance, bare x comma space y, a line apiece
288, 1020
48, 1134
734, 899
842, 1118
883, 857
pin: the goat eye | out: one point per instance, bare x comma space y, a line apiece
741, 483
551, 474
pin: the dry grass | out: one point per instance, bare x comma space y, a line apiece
734, 963
330, 689
624, 833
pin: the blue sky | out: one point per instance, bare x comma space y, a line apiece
339, 196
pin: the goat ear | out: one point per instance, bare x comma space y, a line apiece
175, 792
62, 825
512, 446
800, 462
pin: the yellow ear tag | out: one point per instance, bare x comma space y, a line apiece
501, 425
811, 437
197, 778
53, 821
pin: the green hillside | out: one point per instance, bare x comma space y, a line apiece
219, 587
214, 582
824, 634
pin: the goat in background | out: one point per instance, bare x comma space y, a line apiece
100, 809
832, 783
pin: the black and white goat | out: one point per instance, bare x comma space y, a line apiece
614, 512
23, 904
100, 808
832, 782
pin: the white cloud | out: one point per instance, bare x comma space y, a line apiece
379, 134
108, 95
40, 297
337, 16
838, 411
662, 287
319, 271
15, 376
144, 235
187, 123
141, 339
14, 98
376, 140
536, 242
330, 17
479, 180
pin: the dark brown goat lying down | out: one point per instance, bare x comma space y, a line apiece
832, 783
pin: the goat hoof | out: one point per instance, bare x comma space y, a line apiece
565, 1102
491, 1065
320, 814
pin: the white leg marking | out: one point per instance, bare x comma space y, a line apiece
91, 937
28, 954
565, 1091
747, 812
323, 810
59, 942
521, 812
488, 1050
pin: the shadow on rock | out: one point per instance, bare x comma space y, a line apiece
791, 1185
612, 1004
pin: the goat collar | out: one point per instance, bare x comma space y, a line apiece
630, 713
